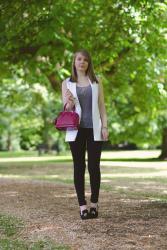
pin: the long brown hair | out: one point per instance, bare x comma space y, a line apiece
89, 72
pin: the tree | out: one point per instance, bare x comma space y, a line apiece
129, 41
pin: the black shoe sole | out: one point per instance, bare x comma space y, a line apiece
86, 217
93, 215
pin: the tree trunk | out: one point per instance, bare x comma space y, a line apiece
163, 155
46, 138
9, 141
55, 84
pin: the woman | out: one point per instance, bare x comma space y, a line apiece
84, 91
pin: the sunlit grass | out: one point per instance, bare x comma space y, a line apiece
116, 153
24, 153
133, 155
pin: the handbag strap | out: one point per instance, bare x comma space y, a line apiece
73, 109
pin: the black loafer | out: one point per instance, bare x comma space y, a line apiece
93, 213
85, 214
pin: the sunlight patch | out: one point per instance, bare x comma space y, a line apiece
137, 175
10, 193
120, 187
64, 195
13, 176
105, 180
35, 158
50, 176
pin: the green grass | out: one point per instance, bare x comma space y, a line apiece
8, 244
8, 154
11, 226
106, 155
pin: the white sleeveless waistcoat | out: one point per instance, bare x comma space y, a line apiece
71, 135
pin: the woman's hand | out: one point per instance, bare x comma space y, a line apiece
105, 133
70, 100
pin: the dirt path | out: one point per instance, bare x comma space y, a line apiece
51, 210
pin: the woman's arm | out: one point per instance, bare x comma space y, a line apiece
101, 103
67, 97
103, 113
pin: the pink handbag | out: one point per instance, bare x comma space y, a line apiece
67, 120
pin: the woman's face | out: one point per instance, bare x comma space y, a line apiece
81, 62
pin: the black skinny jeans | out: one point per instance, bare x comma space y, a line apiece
85, 140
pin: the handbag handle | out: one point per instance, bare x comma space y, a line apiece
73, 109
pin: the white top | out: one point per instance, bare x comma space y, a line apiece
97, 124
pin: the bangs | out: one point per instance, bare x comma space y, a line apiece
83, 53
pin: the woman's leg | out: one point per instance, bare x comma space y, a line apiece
94, 153
78, 149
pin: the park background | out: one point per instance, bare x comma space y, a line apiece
127, 41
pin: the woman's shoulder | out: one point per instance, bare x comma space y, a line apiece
65, 81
